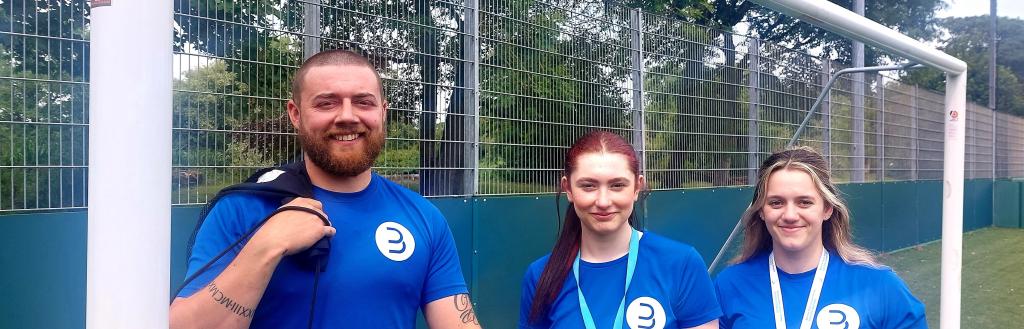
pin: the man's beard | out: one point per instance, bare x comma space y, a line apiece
343, 164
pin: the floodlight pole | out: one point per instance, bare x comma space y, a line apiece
838, 20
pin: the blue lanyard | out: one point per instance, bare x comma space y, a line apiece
588, 319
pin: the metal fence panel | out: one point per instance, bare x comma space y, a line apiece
44, 91
1009, 146
485, 97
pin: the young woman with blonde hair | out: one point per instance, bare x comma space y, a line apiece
799, 266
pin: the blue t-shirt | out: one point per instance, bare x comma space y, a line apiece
670, 289
392, 254
852, 296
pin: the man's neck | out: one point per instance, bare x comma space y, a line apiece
597, 248
333, 183
795, 262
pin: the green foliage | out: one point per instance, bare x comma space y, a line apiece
573, 90
915, 18
969, 41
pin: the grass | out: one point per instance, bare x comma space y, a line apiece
992, 294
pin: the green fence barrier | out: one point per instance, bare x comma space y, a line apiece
44, 254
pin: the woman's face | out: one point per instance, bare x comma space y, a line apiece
602, 190
794, 211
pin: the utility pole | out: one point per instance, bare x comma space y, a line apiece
992, 73
993, 42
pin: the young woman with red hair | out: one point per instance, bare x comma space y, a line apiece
604, 272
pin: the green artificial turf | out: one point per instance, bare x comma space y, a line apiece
993, 277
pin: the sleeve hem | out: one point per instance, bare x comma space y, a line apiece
704, 318
443, 292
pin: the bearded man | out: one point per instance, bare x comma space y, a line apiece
383, 251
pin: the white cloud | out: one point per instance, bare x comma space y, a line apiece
963, 8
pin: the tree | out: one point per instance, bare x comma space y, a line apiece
968, 40
915, 18
548, 77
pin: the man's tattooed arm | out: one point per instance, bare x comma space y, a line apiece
465, 308
228, 303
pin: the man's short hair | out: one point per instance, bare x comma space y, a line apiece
332, 57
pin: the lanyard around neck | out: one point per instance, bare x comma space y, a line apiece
812, 299
588, 319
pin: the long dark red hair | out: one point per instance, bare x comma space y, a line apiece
568, 243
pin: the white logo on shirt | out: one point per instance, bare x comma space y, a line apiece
838, 316
645, 313
394, 241
269, 176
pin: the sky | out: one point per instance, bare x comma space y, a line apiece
963, 8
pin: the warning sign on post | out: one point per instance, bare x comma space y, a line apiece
954, 124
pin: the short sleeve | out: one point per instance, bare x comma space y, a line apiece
225, 223
696, 301
526, 299
723, 321
444, 277
902, 309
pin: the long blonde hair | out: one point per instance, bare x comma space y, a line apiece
836, 233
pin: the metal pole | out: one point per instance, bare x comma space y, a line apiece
992, 47
953, 200
637, 75
992, 75
753, 125
129, 216
858, 104
913, 135
311, 29
473, 83
993, 112
826, 111
880, 125
838, 20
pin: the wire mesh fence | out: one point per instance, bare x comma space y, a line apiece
484, 98
44, 92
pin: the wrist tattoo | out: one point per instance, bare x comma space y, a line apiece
465, 307
228, 303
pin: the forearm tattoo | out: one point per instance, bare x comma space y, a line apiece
465, 307
231, 305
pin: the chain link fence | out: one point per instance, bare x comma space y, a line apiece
485, 97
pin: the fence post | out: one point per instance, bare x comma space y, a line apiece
637, 75
310, 29
753, 126
826, 111
880, 138
471, 150
913, 133
857, 162
993, 112
970, 140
